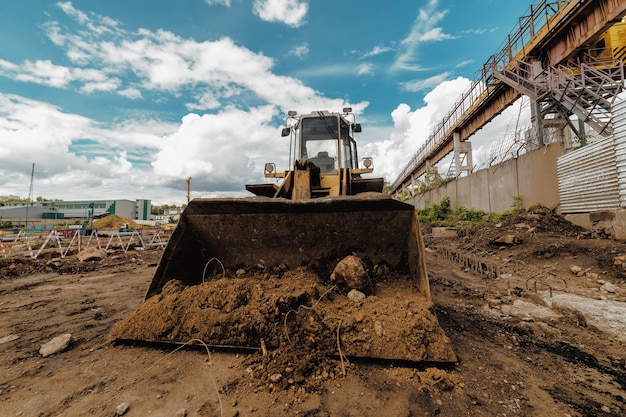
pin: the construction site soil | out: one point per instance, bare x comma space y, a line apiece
535, 309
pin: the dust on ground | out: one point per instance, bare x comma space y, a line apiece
539, 337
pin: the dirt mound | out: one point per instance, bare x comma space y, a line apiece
298, 321
114, 222
527, 222
542, 219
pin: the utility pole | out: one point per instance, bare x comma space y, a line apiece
30, 196
188, 190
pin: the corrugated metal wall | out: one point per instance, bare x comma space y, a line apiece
619, 133
594, 177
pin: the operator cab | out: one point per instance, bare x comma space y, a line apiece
325, 140
324, 158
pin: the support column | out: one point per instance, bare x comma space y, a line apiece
462, 155
582, 135
427, 181
536, 118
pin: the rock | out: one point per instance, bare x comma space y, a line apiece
58, 344
575, 269
121, 409
605, 409
276, 377
356, 295
181, 413
351, 272
608, 287
378, 328
91, 254
620, 260
382, 270
9, 338
507, 240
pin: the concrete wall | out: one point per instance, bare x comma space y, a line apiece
532, 176
503, 182
540, 178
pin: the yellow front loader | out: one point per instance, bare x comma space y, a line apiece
321, 211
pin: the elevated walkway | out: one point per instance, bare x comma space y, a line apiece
540, 58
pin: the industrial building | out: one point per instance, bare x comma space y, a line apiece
49, 212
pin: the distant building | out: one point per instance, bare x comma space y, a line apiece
173, 214
9, 197
82, 209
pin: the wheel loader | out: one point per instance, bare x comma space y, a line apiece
310, 217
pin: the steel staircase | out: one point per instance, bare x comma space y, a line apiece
587, 90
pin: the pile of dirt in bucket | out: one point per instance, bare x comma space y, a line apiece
225, 311
301, 325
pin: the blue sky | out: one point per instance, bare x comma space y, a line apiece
115, 99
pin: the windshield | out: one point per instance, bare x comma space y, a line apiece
320, 142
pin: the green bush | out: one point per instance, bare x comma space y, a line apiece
443, 214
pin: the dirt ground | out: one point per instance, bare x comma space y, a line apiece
535, 309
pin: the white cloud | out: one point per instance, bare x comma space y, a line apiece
340, 69
69, 9
164, 62
435, 35
365, 69
130, 92
424, 29
220, 150
481, 31
426, 84
44, 72
377, 50
30, 124
226, 3
464, 63
204, 101
76, 157
300, 51
289, 12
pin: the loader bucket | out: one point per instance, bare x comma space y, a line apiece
234, 269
